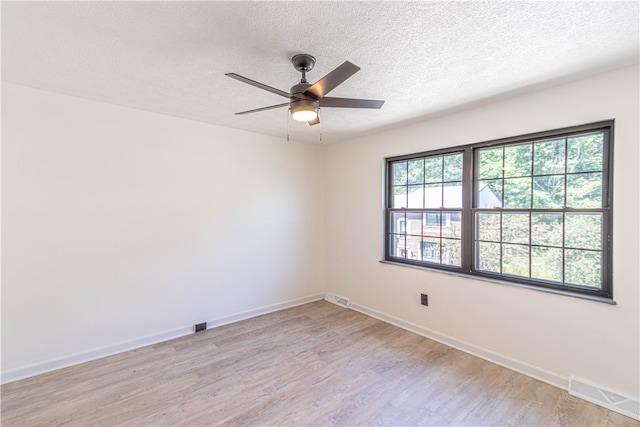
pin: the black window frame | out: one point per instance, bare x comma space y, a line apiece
469, 209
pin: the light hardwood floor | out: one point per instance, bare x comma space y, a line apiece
316, 364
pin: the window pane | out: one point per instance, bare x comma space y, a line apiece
585, 153
548, 192
431, 250
397, 243
515, 228
546, 264
431, 224
416, 171
398, 223
517, 160
583, 231
432, 219
584, 190
452, 224
548, 157
515, 260
517, 193
490, 163
488, 257
451, 254
453, 168
433, 169
546, 229
488, 226
490, 194
399, 171
583, 268
452, 195
415, 196
433, 196
399, 197
414, 223
413, 247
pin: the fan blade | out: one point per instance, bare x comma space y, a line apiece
258, 84
314, 121
332, 80
271, 107
350, 103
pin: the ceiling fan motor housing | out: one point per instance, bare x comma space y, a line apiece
304, 105
297, 92
301, 101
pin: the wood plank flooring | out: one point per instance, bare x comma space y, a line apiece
316, 364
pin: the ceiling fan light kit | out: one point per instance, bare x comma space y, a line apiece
305, 99
304, 110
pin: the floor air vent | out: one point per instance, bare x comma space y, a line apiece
338, 300
613, 401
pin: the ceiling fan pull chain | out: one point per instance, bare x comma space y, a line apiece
319, 118
288, 115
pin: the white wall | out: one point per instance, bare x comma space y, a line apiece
555, 335
119, 224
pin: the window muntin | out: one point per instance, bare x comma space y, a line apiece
533, 210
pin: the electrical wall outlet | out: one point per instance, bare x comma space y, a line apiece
424, 299
200, 327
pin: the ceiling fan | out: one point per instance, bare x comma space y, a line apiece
306, 99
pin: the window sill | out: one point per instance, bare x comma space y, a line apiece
505, 282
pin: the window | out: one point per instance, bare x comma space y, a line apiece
532, 210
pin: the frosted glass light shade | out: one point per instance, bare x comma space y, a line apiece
304, 110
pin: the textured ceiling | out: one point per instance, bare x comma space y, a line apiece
422, 58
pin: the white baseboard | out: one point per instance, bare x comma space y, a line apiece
263, 310
86, 356
499, 359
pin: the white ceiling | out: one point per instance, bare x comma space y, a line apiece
422, 58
